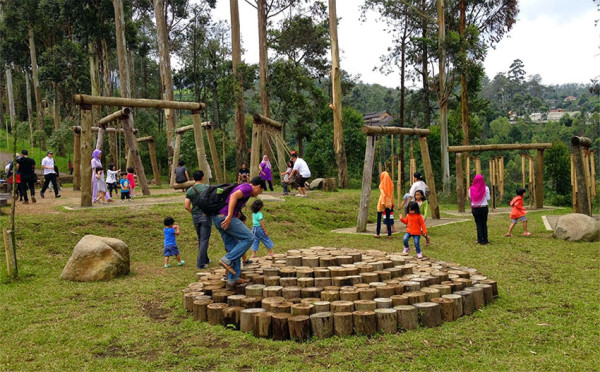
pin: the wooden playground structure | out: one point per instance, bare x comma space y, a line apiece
583, 175
365, 196
266, 134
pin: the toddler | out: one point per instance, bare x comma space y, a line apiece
170, 231
421, 199
131, 179
124, 187
111, 179
414, 226
517, 213
259, 230
101, 185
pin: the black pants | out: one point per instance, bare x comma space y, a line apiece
388, 222
125, 195
47, 179
112, 186
270, 185
481, 214
27, 182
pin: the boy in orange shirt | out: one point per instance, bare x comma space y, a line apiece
518, 213
414, 225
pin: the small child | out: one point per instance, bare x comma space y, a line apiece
101, 185
286, 177
259, 230
421, 199
414, 226
517, 213
170, 231
131, 179
390, 220
403, 206
111, 179
124, 187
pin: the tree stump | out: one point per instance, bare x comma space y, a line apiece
385, 291
311, 292
231, 316
365, 322
322, 324
467, 301
271, 281
343, 324
288, 282
342, 307
272, 291
446, 307
221, 296
280, 327
415, 297
200, 310
303, 272
299, 327
321, 306
322, 282
270, 271
457, 312
423, 282
287, 272
494, 285
387, 320
235, 300
354, 279
383, 275
327, 261
395, 272
301, 309
341, 281
369, 277
281, 307
383, 303
444, 289
255, 290
399, 300
367, 293
336, 271
466, 282
410, 286
251, 302
267, 303
188, 301
329, 184
430, 315
293, 261
247, 319
430, 293
310, 261
488, 292
365, 305
330, 296
344, 260
310, 300
408, 317
263, 328
356, 256
441, 275
290, 292
215, 313
349, 295
322, 273
477, 294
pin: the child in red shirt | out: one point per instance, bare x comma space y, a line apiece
415, 224
518, 213
131, 179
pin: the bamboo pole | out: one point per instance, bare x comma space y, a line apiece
378, 131
433, 202
500, 147
77, 160
81, 99
85, 164
365, 195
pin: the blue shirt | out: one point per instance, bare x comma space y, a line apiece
169, 236
124, 185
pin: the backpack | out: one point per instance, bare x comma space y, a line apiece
214, 197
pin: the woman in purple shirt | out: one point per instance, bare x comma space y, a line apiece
265, 171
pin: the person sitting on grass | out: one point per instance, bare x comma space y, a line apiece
517, 213
259, 229
170, 248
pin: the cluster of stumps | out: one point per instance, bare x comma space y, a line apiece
321, 292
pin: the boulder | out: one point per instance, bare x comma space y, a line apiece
316, 184
97, 258
577, 227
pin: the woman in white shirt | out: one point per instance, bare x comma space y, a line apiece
479, 194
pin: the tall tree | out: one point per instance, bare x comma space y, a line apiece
241, 153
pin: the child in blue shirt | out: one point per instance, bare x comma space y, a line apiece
125, 194
259, 230
170, 231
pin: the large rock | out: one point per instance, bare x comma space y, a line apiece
577, 227
316, 184
97, 258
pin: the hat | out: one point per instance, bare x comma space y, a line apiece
49, 152
24, 152
293, 152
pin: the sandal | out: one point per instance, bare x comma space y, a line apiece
376, 236
509, 234
227, 267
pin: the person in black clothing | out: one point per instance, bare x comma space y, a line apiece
243, 174
28, 177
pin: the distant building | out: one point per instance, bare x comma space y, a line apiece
570, 98
553, 115
379, 118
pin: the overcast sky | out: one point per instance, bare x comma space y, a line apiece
556, 39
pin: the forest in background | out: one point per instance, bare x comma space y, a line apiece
54, 49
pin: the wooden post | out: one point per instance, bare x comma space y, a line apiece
593, 172
85, 165
200, 149
586, 173
399, 184
574, 185
531, 182
365, 322
582, 190
155, 170
493, 182
365, 195
77, 159
322, 324
460, 183
176, 151
433, 202
523, 170
255, 149
134, 155
281, 330
299, 327
214, 155
477, 165
100, 137
501, 176
468, 173
392, 153
112, 148
539, 180
430, 314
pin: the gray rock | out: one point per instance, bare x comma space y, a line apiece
577, 227
97, 258
316, 184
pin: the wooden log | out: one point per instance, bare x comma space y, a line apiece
251, 302
293, 261
365, 322
444, 289
215, 313
365, 195
247, 321
77, 160
415, 297
430, 314
367, 293
410, 286
288, 282
365, 305
446, 308
423, 282
280, 327
466, 282
214, 155
290, 292
322, 282
342, 306
343, 324
153, 162
408, 317
281, 307
387, 320
494, 285
460, 183
432, 197
399, 300
200, 310
377, 131
272, 291
369, 277
500, 147
488, 292
335, 271
467, 302
310, 261
322, 273
302, 309
580, 181
299, 326
268, 302
261, 119
85, 168
117, 115
327, 261
271, 271
82, 99
231, 316
385, 291
263, 325
478, 299
272, 281
311, 292
539, 179
321, 306
322, 324
200, 148
222, 296
255, 290
330, 296
344, 260
306, 282
188, 301
352, 295
430, 293
383, 303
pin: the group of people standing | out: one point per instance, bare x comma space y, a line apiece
103, 184
25, 178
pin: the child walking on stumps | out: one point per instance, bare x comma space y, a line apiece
414, 226
170, 248
259, 230
517, 213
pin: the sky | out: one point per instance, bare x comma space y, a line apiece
556, 39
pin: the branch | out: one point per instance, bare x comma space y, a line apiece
251, 4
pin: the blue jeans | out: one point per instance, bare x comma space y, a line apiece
416, 238
202, 224
260, 236
237, 239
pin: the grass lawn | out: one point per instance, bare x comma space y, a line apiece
546, 318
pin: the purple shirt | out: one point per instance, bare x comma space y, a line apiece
266, 172
246, 190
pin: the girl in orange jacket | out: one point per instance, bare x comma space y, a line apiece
517, 213
414, 225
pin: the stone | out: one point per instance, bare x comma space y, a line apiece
96, 258
316, 184
576, 227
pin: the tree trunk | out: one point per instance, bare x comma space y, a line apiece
29, 108
443, 97
124, 73
425, 74
94, 77
36, 85
56, 109
464, 103
263, 61
11, 103
402, 103
165, 73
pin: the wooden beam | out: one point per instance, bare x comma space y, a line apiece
260, 119
85, 165
82, 99
205, 125
214, 155
117, 115
146, 139
581, 141
107, 130
460, 183
77, 160
370, 130
134, 154
539, 180
500, 147
433, 202
365, 194
200, 149
153, 162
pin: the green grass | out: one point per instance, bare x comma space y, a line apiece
36, 153
545, 319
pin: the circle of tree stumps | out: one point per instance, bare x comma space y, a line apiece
321, 292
